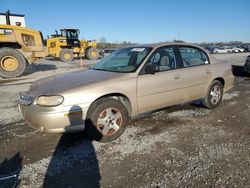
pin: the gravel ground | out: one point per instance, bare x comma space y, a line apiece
182, 146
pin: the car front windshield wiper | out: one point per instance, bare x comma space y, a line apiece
93, 68
107, 70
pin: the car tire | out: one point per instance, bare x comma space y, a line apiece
66, 55
12, 63
106, 120
214, 95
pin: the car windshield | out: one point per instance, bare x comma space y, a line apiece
123, 60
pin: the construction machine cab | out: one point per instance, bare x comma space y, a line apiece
70, 33
71, 36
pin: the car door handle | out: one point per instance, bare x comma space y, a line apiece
177, 76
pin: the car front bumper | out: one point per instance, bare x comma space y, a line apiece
54, 119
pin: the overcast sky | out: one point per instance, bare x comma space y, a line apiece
141, 21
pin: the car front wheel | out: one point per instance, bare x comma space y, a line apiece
214, 95
106, 120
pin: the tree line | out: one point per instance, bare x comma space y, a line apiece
103, 44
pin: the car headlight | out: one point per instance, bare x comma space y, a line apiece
49, 100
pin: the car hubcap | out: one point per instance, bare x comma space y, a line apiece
215, 95
9, 63
109, 121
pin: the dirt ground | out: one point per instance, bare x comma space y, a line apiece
181, 146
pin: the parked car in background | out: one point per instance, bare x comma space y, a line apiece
237, 49
246, 47
247, 65
129, 82
209, 48
109, 50
222, 50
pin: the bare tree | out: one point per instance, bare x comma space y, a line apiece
102, 42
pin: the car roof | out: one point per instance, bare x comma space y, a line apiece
157, 45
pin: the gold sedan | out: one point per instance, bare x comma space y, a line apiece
129, 82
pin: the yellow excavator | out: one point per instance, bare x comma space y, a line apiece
19, 47
66, 45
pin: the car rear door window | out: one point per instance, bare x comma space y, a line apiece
193, 57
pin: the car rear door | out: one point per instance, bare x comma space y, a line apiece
195, 71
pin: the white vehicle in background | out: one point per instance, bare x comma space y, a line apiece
236, 49
222, 50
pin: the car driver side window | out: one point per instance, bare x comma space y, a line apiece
164, 59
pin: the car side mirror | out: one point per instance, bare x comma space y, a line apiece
150, 69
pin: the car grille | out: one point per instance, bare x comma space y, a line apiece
25, 98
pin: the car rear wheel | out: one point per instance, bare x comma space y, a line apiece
106, 120
12, 63
214, 95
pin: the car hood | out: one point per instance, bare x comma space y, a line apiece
71, 81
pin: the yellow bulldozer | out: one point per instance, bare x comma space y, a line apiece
66, 45
19, 47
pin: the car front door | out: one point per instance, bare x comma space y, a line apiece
165, 86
